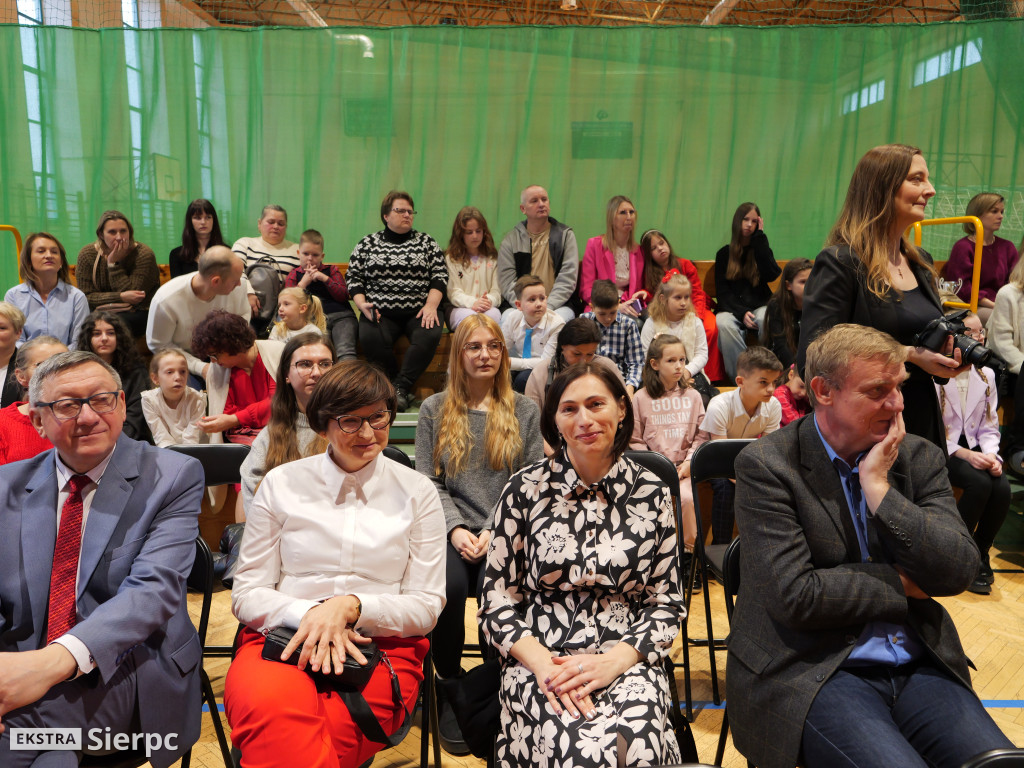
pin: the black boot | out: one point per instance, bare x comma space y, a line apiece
448, 728
986, 570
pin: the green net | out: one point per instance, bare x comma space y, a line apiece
688, 122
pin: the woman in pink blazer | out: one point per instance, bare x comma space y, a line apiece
616, 256
972, 443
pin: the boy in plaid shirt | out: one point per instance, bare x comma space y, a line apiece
620, 338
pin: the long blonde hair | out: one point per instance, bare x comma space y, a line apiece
314, 309
608, 239
1016, 277
503, 444
869, 214
658, 309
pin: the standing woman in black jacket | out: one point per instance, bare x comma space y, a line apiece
743, 271
871, 274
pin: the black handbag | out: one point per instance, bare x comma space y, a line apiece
348, 684
704, 388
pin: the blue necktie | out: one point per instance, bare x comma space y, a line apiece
860, 523
528, 343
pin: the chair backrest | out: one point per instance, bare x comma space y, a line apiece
715, 459
997, 758
397, 454
222, 463
201, 580
731, 569
659, 465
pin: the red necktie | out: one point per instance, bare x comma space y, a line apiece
63, 577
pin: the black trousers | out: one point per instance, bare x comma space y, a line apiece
450, 632
984, 503
377, 340
342, 329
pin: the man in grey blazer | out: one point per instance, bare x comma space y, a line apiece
838, 655
98, 538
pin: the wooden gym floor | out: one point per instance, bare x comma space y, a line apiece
991, 628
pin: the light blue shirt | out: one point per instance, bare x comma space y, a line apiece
880, 642
60, 316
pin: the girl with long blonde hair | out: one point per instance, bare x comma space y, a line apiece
470, 439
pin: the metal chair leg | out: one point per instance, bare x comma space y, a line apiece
218, 726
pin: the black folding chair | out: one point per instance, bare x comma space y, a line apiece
713, 460
222, 462
997, 758
222, 465
731, 582
666, 472
395, 453
200, 579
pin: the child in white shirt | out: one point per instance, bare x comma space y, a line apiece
173, 409
530, 324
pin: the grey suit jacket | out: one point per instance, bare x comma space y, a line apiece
805, 596
138, 546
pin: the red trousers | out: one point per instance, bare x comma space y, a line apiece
278, 718
715, 369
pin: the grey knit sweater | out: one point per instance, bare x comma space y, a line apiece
469, 498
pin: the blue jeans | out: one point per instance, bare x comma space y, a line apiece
910, 716
732, 339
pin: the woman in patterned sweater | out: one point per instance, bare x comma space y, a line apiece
397, 278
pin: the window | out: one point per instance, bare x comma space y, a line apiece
133, 71
37, 102
865, 97
202, 119
947, 62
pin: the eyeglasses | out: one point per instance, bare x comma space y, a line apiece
351, 424
493, 347
404, 211
306, 366
68, 408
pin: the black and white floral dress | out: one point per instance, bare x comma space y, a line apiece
582, 568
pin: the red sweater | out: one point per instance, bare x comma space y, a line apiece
249, 395
792, 408
18, 438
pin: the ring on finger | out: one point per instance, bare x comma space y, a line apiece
580, 665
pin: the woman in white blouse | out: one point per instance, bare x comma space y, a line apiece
343, 546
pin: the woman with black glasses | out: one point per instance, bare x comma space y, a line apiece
288, 436
342, 547
397, 278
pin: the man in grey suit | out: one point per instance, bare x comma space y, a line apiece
838, 655
98, 538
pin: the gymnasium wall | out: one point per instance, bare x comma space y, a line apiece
687, 121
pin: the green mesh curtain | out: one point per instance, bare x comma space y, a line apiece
687, 121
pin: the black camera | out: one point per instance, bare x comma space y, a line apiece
972, 351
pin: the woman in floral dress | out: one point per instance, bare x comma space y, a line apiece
581, 594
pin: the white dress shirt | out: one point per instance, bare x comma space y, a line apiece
542, 344
315, 531
75, 646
